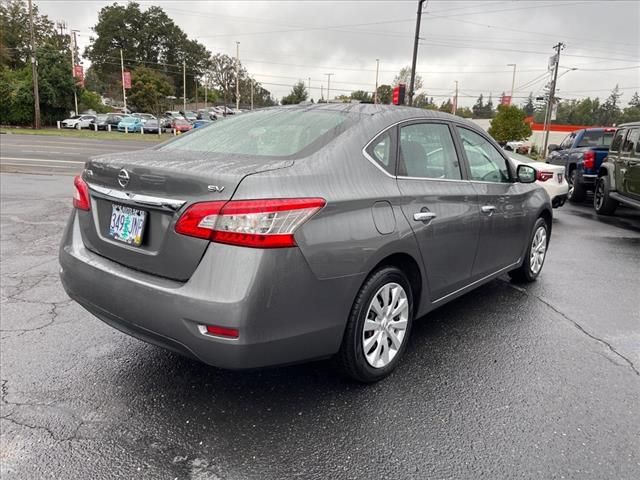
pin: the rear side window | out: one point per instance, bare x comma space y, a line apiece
382, 151
596, 138
271, 133
631, 143
427, 151
617, 141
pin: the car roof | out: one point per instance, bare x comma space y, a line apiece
630, 124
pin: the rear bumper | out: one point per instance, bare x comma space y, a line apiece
587, 179
283, 312
558, 200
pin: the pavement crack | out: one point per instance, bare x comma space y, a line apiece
580, 328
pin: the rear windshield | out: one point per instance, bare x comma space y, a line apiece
272, 133
596, 138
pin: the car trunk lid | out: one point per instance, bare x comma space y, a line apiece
158, 185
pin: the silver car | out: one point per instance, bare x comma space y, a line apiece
298, 233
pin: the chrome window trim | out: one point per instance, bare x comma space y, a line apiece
146, 200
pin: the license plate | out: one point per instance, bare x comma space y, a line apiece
127, 224
560, 178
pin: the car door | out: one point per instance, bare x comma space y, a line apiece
503, 225
561, 156
630, 159
439, 203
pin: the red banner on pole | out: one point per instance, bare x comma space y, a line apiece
78, 75
505, 100
126, 79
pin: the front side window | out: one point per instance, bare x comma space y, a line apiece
485, 162
617, 141
427, 151
631, 143
568, 141
382, 151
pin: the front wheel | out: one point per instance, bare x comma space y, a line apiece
536, 253
577, 192
378, 328
602, 202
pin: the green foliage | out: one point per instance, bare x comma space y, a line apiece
89, 100
464, 112
481, 109
298, 94
149, 90
404, 76
446, 106
509, 125
529, 107
385, 94
361, 96
632, 112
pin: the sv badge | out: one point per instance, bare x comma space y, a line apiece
215, 188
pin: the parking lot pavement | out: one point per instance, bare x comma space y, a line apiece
540, 381
58, 155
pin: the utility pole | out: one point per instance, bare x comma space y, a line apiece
34, 72
309, 85
195, 82
552, 93
237, 76
329, 85
375, 93
73, 68
455, 99
124, 91
251, 93
513, 79
321, 91
184, 87
206, 86
415, 52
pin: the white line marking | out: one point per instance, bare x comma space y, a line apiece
31, 165
25, 160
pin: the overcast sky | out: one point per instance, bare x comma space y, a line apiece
468, 41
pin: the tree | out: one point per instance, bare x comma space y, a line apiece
529, 107
610, 113
362, 96
385, 94
298, 94
632, 112
488, 108
404, 76
478, 107
89, 100
422, 100
149, 90
464, 112
446, 106
509, 125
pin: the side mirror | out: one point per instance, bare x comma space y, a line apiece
553, 147
526, 174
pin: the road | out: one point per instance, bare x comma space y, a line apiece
58, 155
540, 381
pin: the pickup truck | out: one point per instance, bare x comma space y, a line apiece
581, 153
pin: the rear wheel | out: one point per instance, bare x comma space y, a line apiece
577, 192
602, 203
378, 328
536, 253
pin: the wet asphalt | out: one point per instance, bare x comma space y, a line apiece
510, 381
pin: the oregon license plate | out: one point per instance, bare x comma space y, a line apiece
127, 224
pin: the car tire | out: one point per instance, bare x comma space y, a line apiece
577, 192
602, 202
535, 256
371, 352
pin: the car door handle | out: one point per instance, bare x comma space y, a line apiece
488, 209
424, 216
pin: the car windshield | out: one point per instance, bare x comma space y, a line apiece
130, 120
597, 138
521, 158
272, 132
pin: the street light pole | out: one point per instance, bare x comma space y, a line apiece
237, 76
455, 101
328, 85
415, 52
124, 91
551, 100
34, 72
73, 68
513, 79
184, 87
375, 93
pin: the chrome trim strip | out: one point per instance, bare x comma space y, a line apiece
508, 267
140, 199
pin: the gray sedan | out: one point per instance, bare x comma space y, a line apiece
297, 233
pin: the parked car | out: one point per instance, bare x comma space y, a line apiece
581, 153
171, 114
145, 117
152, 126
295, 233
103, 120
181, 125
130, 124
189, 115
549, 177
78, 121
619, 175
201, 123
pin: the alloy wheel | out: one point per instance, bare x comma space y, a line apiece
599, 194
385, 325
538, 249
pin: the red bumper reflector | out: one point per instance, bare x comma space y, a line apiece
222, 331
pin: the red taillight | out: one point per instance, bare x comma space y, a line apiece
589, 160
543, 176
268, 223
220, 331
81, 194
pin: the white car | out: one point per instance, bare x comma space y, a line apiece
549, 177
78, 121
